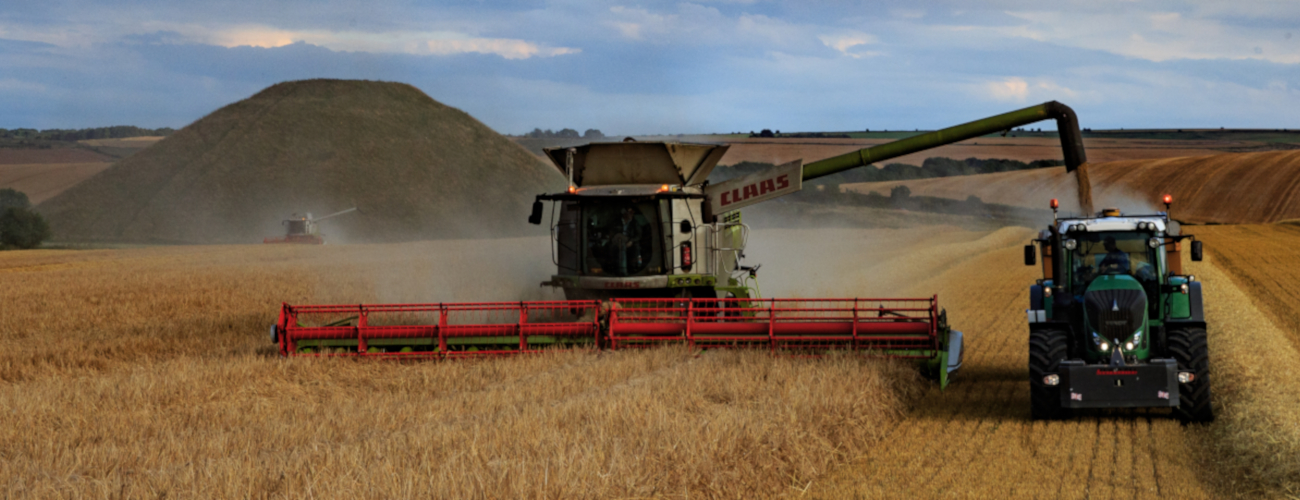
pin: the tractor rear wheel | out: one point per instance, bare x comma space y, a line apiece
1047, 348
1190, 349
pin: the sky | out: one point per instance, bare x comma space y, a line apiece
666, 67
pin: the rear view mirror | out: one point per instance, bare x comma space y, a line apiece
1031, 257
536, 217
1197, 251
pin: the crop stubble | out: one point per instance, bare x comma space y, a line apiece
976, 440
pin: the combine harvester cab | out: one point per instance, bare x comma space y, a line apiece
648, 253
1115, 323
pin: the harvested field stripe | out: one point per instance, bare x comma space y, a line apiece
977, 435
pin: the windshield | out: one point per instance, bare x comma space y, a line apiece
1111, 253
619, 239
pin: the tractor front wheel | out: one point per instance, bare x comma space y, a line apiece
1047, 348
1192, 352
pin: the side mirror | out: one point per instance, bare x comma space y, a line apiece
536, 217
686, 227
1031, 257
1198, 251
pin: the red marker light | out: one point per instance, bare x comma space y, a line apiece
1169, 199
1055, 204
663, 188
573, 189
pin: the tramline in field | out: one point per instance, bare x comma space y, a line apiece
649, 253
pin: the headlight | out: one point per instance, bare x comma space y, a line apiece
1071, 244
1133, 341
1153, 242
1105, 346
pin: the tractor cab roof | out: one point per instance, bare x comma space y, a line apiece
1113, 223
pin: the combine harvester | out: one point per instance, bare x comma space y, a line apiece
648, 253
304, 230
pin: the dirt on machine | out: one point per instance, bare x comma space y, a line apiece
305, 230
648, 253
1115, 322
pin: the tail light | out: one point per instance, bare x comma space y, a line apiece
687, 261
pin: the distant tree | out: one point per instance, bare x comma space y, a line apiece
10, 198
767, 132
567, 133
22, 228
900, 192
592, 133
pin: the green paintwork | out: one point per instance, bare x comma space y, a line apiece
901, 147
1180, 305
1118, 282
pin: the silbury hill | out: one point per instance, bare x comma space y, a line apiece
416, 168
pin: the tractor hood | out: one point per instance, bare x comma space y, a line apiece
648, 163
1115, 306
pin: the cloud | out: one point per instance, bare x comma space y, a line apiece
504, 47
845, 43
399, 42
1010, 89
1156, 35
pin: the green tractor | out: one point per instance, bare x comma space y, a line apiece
1115, 323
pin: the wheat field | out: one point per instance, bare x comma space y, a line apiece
147, 372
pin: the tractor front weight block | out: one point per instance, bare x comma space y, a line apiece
1147, 385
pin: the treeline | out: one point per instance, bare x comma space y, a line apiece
567, 133
798, 135
20, 226
57, 134
930, 168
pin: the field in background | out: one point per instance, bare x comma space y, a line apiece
147, 371
1227, 188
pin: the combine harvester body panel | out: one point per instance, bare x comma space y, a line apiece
649, 253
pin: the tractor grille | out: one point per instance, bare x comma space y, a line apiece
1115, 324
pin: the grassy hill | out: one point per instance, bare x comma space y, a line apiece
416, 168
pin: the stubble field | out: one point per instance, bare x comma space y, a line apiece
147, 372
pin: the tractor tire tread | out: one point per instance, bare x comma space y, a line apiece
1190, 348
1047, 348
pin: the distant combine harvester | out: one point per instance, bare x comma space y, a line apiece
304, 230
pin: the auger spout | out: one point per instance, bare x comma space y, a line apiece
1067, 125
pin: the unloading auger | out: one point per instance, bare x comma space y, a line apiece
648, 253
